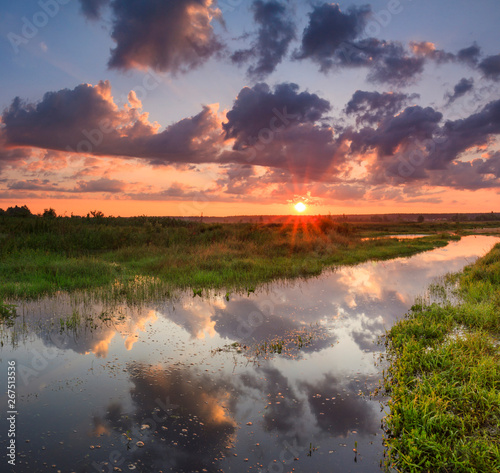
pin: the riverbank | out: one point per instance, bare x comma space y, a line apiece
44, 255
444, 376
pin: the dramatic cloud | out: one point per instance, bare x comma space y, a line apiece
477, 174
412, 146
333, 39
413, 123
459, 135
86, 120
372, 107
469, 55
259, 109
390, 63
92, 9
59, 119
490, 67
276, 31
328, 30
270, 137
464, 86
171, 36
280, 129
428, 50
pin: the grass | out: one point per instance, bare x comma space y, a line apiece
444, 377
8, 314
45, 255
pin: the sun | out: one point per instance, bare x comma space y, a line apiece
300, 207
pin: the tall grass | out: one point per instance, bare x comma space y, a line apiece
42, 255
444, 378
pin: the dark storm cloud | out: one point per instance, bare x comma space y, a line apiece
276, 31
469, 55
459, 135
392, 65
59, 118
171, 36
259, 108
490, 67
413, 123
328, 30
388, 61
429, 153
372, 107
92, 9
332, 39
463, 86
480, 173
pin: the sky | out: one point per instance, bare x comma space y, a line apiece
241, 107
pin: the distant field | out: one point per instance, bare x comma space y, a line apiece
41, 255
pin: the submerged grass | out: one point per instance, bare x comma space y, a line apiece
444, 378
42, 256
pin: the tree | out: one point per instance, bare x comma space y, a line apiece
420, 219
18, 211
49, 213
96, 214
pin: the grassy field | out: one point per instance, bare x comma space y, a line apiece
143, 255
444, 377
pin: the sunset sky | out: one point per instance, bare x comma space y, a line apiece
241, 107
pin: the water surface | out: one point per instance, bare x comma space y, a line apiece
275, 380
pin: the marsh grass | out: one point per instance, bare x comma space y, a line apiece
8, 314
444, 377
135, 259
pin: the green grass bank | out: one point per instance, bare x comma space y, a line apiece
444, 377
41, 255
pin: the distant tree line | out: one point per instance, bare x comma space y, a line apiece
16, 211
24, 211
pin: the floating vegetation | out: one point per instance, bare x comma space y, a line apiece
288, 345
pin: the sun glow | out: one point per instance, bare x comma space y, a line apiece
300, 207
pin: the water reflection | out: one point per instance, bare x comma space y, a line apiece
184, 385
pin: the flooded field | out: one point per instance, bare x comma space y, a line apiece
275, 380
